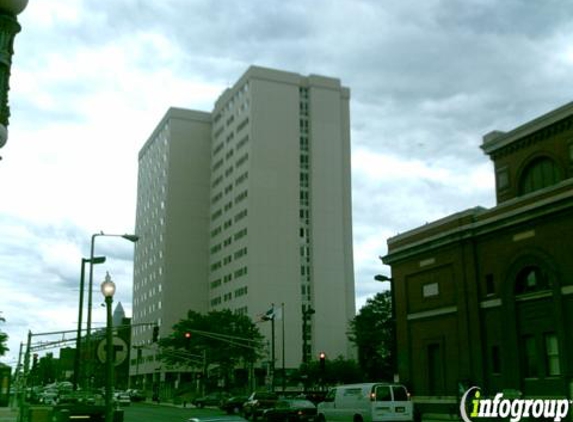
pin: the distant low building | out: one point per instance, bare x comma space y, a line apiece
485, 296
65, 364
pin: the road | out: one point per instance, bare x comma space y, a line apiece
147, 412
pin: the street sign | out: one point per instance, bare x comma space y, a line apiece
120, 350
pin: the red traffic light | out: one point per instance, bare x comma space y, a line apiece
187, 334
322, 355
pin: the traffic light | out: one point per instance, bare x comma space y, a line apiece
187, 338
34, 361
322, 361
155, 335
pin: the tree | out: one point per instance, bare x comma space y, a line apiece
336, 371
3, 340
219, 337
372, 331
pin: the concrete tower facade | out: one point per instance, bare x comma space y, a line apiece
267, 175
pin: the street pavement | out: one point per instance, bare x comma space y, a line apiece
8, 415
140, 412
148, 412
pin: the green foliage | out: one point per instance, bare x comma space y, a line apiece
336, 371
3, 340
372, 331
241, 340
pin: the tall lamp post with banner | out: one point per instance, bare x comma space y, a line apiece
9, 27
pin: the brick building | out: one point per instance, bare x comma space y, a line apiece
485, 296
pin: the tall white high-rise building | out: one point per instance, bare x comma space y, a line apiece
245, 208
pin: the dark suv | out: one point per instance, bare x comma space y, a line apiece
213, 399
257, 403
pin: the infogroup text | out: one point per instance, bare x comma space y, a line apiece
514, 409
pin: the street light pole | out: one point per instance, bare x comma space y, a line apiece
305, 318
77, 357
273, 351
108, 290
283, 346
382, 278
132, 238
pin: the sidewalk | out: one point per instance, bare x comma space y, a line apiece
8, 415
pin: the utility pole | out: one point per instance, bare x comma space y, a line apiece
283, 341
204, 377
273, 351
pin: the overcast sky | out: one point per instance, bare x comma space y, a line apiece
91, 79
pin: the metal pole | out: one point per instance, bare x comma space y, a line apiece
283, 344
273, 352
304, 354
79, 332
138, 357
25, 376
17, 378
109, 361
89, 314
204, 378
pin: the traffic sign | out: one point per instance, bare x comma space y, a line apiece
120, 350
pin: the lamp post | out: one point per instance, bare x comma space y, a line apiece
9, 27
94, 260
306, 314
383, 278
108, 290
132, 238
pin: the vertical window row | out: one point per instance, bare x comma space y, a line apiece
230, 151
304, 212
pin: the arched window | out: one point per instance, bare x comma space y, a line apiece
531, 279
539, 174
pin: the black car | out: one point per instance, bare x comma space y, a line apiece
257, 403
292, 410
213, 399
222, 418
233, 404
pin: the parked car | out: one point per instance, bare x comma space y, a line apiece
378, 402
257, 403
123, 399
222, 418
291, 410
233, 404
49, 398
135, 395
212, 399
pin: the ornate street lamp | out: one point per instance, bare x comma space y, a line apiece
108, 290
132, 238
9, 27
